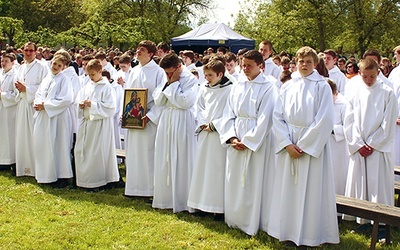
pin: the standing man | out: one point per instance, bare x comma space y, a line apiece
175, 138
270, 68
140, 159
330, 59
29, 77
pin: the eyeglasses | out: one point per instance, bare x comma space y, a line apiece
29, 50
349, 67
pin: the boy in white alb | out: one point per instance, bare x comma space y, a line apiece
207, 185
95, 157
140, 159
8, 76
174, 153
52, 130
303, 207
369, 128
246, 131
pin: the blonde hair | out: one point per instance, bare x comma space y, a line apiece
307, 51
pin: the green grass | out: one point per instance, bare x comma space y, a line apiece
33, 216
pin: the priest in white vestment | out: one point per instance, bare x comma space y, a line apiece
30, 75
303, 207
246, 129
175, 138
140, 143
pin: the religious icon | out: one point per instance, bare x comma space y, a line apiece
134, 109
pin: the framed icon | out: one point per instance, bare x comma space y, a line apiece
134, 108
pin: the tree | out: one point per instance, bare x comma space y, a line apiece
9, 28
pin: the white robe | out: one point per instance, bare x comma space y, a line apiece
207, 186
7, 117
394, 77
340, 155
370, 119
31, 75
175, 142
140, 143
52, 130
95, 157
249, 173
76, 87
272, 69
119, 97
304, 206
111, 70
338, 77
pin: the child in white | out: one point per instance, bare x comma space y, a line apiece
207, 185
95, 157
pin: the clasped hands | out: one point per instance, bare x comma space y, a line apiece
85, 103
39, 106
237, 144
365, 151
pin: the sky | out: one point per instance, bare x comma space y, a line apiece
223, 11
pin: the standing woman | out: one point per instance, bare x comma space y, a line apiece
351, 69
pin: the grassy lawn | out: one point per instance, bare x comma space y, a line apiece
33, 216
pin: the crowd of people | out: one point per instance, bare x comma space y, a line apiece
261, 141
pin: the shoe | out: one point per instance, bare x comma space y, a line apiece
60, 183
363, 229
94, 190
219, 217
200, 214
13, 169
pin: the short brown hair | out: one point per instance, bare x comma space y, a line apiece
100, 56
149, 45
125, 59
255, 56
372, 52
215, 66
94, 64
230, 57
333, 86
170, 60
331, 52
189, 53
368, 64
11, 56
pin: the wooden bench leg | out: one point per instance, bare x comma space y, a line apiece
374, 235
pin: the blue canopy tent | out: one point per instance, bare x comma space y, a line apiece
211, 35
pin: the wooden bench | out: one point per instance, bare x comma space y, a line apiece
121, 153
397, 170
379, 213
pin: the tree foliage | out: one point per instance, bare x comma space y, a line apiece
122, 23
345, 25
